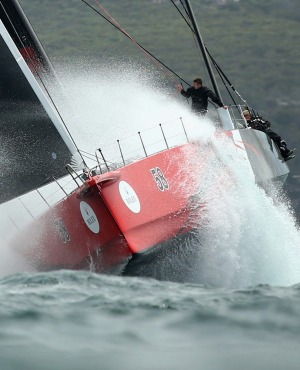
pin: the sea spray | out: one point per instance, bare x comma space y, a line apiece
249, 237
244, 237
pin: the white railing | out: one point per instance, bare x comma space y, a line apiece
140, 145
15, 214
237, 117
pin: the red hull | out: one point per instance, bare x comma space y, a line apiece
117, 214
61, 237
147, 203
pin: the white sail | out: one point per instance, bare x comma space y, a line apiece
34, 143
47, 104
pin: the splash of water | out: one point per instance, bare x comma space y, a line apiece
117, 100
247, 237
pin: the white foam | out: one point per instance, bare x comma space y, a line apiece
248, 238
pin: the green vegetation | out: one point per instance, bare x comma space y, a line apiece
256, 43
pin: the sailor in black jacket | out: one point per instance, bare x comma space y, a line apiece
258, 123
200, 95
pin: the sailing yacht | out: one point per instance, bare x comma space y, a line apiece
118, 210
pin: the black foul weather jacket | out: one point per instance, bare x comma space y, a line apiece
200, 98
262, 125
259, 124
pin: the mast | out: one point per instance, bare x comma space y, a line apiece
17, 32
20, 30
202, 48
34, 141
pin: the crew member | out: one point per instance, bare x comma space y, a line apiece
258, 123
200, 95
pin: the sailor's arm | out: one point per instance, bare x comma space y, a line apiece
186, 94
215, 99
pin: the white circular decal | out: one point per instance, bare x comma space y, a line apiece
89, 217
129, 197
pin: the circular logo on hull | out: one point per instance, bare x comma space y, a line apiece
89, 217
129, 197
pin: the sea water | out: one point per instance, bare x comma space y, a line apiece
236, 306
81, 320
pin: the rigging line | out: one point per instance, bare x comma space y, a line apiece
60, 116
191, 28
40, 78
126, 33
193, 31
221, 75
226, 78
194, 35
138, 44
183, 5
179, 11
219, 70
226, 86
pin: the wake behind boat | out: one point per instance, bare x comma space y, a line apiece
128, 205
